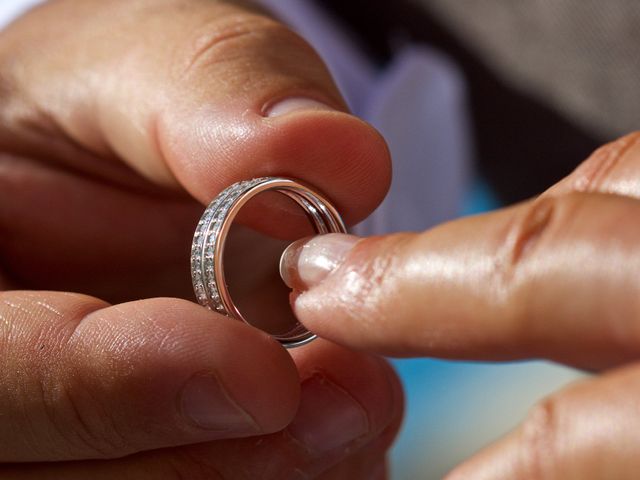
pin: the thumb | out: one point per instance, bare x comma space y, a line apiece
189, 93
81, 379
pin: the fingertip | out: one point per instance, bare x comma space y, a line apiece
343, 156
355, 304
307, 262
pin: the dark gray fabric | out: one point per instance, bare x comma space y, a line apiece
523, 141
580, 56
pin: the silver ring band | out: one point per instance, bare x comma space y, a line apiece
207, 250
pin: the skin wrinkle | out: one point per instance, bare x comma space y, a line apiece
363, 283
214, 36
590, 178
105, 437
78, 322
15, 306
91, 342
206, 135
170, 341
52, 389
86, 436
119, 344
538, 440
526, 231
156, 144
537, 234
516, 249
109, 428
49, 308
165, 338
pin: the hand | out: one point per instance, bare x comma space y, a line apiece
555, 277
115, 116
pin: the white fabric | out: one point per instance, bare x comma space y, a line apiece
12, 9
417, 102
418, 105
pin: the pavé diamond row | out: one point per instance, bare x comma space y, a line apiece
207, 270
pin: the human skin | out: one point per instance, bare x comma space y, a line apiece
555, 277
119, 120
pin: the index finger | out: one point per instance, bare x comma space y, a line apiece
553, 278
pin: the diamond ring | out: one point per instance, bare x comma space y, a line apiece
207, 250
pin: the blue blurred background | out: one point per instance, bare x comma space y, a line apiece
456, 408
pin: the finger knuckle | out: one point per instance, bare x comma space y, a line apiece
526, 229
593, 173
371, 277
232, 40
52, 403
77, 414
538, 439
80, 420
529, 233
533, 246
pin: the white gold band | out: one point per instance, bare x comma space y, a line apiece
207, 251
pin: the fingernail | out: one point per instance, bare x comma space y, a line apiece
295, 104
205, 401
307, 262
328, 419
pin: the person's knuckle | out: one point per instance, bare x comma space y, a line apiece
36, 334
538, 439
100, 418
530, 235
527, 229
594, 172
81, 419
374, 274
233, 38
74, 411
